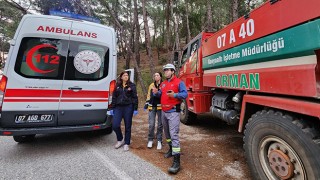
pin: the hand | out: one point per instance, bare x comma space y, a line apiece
170, 94
145, 107
111, 113
135, 112
154, 90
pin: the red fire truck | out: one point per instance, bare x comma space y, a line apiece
262, 73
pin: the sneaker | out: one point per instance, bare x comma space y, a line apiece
126, 147
150, 144
159, 146
119, 144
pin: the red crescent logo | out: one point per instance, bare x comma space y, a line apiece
30, 55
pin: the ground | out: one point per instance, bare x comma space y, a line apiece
210, 149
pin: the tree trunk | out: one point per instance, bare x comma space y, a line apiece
209, 16
176, 32
137, 33
187, 22
147, 38
1, 51
117, 23
16, 6
168, 25
129, 29
235, 14
163, 25
155, 40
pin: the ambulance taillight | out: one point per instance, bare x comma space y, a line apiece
3, 85
111, 90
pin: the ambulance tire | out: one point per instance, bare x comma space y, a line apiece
279, 146
25, 138
186, 116
106, 131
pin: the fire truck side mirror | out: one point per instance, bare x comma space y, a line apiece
176, 58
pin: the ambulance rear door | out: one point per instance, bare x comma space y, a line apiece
84, 98
35, 71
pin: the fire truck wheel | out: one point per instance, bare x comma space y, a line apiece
278, 146
186, 116
25, 138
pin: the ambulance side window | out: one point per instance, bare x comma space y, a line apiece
41, 58
87, 62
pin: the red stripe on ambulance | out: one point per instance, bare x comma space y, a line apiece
55, 93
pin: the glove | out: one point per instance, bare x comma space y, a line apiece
145, 107
111, 113
135, 112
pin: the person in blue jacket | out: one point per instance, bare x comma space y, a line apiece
124, 105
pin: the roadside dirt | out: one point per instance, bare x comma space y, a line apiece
210, 149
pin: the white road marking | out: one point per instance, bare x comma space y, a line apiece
109, 164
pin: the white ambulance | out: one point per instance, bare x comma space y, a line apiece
59, 77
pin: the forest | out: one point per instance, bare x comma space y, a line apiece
157, 27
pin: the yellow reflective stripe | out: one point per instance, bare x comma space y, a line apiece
176, 149
158, 108
168, 140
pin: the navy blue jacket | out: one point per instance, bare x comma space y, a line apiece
125, 95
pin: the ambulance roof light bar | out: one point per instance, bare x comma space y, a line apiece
74, 16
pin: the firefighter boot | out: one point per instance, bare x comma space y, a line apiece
169, 153
174, 169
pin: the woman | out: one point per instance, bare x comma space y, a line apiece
154, 107
124, 105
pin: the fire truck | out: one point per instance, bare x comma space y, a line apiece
261, 73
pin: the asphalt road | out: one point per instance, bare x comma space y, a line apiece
72, 156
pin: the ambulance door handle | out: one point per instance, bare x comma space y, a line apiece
76, 88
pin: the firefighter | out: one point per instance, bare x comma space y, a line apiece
172, 91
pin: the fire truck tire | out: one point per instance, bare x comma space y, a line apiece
278, 146
25, 138
186, 116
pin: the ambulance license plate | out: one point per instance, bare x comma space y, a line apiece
34, 118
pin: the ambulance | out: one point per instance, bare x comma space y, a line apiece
59, 77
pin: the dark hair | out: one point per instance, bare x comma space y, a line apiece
160, 74
120, 80
155, 84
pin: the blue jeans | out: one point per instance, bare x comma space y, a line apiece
152, 121
125, 112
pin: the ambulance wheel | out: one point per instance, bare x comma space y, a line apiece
186, 116
106, 131
278, 146
25, 138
